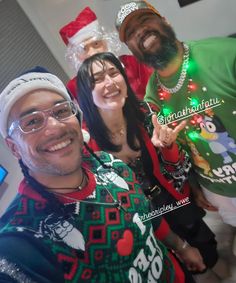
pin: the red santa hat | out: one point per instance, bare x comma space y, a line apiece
83, 27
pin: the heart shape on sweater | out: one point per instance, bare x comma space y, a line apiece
125, 244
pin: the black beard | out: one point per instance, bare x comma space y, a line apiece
165, 54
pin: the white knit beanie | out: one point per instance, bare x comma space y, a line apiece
31, 80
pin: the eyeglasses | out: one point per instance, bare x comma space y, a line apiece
36, 120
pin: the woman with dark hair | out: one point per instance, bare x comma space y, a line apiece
119, 124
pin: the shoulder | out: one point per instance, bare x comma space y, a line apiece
148, 107
131, 61
214, 44
28, 259
151, 88
11, 210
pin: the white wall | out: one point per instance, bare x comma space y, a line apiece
202, 19
11, 183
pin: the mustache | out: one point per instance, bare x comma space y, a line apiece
71, 134
163, 56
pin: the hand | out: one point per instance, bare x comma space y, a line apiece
192, 258
164, 136
201, 200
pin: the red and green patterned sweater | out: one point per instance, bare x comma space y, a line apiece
91, 240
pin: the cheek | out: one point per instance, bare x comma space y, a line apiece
30, 149
134, 48
26, 152
96, 95
20, 146
82, 57
124, 86
131, 44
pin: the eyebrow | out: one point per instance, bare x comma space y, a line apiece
33, 109
139, 17
105, 70
98, 73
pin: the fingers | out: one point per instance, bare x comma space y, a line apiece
156, 132
206, 205
211, 208
197, 266
192, 258
200, 266
202, 202
164, 136
180, 127
156, 142
155, 123
165, 133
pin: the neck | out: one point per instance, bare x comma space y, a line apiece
114, 120
62, 184
175, 63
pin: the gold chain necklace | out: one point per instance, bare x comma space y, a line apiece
118, 134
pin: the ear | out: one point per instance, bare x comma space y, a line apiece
13, 147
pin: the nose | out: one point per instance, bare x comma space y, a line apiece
52, 126
108, 80
92, 50
137, 33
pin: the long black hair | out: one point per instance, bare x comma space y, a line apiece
131, 110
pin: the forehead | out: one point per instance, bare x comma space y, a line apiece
35, 100
98, 66
138, 18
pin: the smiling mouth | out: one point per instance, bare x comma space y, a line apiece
148, 41
112, 94
59, 146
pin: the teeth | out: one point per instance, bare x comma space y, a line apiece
149, 40
112, 94
59, 146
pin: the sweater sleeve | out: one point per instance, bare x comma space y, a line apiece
171, 154
163, 229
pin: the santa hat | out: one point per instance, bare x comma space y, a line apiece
83, 27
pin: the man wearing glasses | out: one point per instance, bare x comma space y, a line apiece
76, 217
